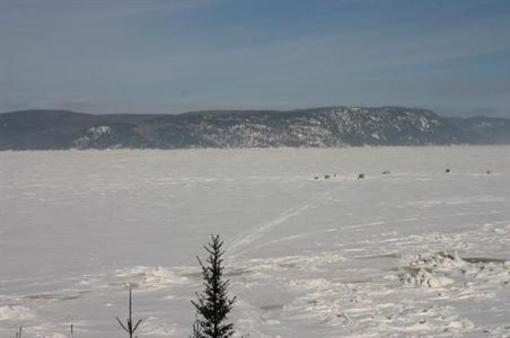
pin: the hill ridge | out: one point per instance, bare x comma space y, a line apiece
333, 126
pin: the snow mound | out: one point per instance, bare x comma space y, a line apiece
149, 277
440, 260
429, 270
423, 278
15, 312
152, 326
54, 335
439, 269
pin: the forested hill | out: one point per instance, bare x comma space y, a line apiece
316, 127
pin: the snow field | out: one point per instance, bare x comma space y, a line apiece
414, 253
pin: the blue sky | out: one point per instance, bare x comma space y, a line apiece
169, 56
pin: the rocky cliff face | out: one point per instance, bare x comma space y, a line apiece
319, 127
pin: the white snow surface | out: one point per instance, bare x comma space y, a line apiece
415, 253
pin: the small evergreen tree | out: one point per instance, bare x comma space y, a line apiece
213, 304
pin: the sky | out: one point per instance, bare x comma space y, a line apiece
171, 56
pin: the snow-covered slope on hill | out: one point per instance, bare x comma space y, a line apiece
317, 127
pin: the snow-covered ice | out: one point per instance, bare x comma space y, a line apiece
416, 252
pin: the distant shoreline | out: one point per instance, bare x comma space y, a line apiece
326, 127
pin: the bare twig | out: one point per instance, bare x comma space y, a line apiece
128, 326
18, 333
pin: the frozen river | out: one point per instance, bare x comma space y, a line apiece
416, 252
